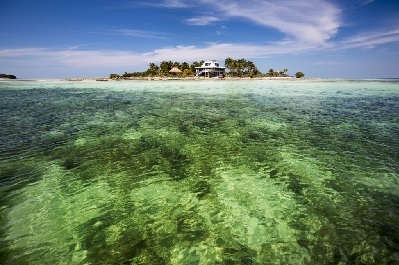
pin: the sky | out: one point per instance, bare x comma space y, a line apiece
94, 38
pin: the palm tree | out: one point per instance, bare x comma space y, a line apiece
153, 69
241, 65
252, 68
176, 64
196, 64
230, 63
187, 72
184, 66
227, 62
165, 67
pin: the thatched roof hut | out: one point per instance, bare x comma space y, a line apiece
175, 70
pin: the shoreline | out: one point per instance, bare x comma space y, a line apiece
158, 78
238, 79
199, 79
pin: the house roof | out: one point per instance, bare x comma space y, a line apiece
175, 70
211, 64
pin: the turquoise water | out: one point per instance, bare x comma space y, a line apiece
199, 172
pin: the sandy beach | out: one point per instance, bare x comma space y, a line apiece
159, 78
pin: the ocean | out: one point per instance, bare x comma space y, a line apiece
199, 172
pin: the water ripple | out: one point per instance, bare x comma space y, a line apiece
199, 172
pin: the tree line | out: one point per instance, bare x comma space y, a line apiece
241, 67
162, 70
5, 76
237, 68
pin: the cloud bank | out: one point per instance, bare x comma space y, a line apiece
73, 57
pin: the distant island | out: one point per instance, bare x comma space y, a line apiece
240, 68
8, 76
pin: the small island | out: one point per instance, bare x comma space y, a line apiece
240, 68
4, 76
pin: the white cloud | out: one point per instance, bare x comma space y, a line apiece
140, 33
81, 59
369, 40
163, 4
329, 63
311, 21
366, 2
222, 30
130, 32
156, 3
67, 57
175, 4
201, 21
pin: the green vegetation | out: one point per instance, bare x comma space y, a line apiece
161, 70
235, 68
241, 68
8, 76
299, 75
272, 73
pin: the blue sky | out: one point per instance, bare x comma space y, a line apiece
93, 38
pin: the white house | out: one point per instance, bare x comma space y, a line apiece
210, 69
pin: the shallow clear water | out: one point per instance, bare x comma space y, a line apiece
218, 172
